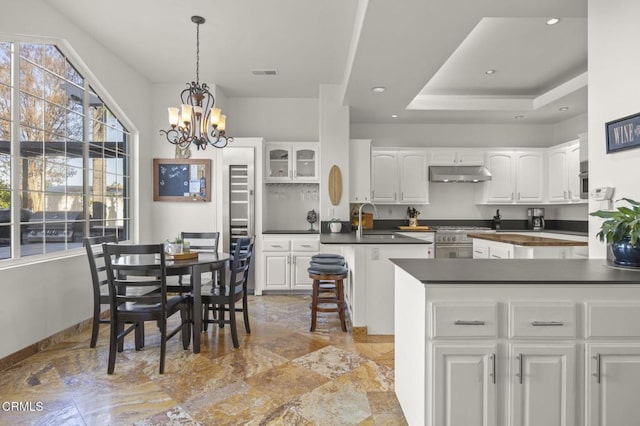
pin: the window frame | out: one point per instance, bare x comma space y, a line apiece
91, 85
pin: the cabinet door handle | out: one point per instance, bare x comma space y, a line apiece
394, 196
477, 251
295, 173
373, 192
564, 194
402, 195
520, 359
276, 245
288, 260
495, 257
598, 373
547, 323
306, 245
512, 196
569, 194
493, 368
467, 322
518, 196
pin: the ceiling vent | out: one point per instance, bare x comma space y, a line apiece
264, 72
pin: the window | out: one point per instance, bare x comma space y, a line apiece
64, 156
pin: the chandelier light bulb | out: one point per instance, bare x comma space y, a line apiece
173, 117
223, 122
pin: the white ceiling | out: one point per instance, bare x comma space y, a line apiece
431, 54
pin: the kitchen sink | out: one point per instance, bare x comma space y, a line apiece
380, 236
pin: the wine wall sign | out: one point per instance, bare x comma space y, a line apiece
623, 133
181, 180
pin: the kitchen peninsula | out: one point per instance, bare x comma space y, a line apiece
369, 288
510, 342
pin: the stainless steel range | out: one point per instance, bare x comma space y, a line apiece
452, 241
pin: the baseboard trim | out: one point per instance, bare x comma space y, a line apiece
43, 344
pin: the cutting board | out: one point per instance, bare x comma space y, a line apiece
414, 228
335, 185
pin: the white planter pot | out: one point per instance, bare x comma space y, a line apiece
335, 226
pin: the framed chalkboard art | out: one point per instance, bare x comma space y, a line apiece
181, 180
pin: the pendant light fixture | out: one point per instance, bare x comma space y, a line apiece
198, 121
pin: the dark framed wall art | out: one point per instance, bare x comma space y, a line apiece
181, 180
623, 133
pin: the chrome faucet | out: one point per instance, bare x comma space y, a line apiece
359, 230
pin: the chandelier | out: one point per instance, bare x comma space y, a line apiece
197, 122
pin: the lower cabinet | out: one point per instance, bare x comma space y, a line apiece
464, 386
286, 262
543, 384
613, 384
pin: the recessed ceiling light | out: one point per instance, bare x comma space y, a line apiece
490, 72
518, 117
394, 115
553, 21
378, 89
563, 108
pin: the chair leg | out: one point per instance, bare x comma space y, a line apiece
245, 313
120, 341
113, 346
205, 317
314, 304
232, 324
139, 335
163, 343
185, 317
340, 288
95, 329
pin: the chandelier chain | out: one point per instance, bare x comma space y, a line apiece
198, 53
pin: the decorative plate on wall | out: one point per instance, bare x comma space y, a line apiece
335, 185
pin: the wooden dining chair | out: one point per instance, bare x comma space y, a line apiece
223, 298
132, 303
206, 242
93, 246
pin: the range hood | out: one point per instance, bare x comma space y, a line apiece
458, 174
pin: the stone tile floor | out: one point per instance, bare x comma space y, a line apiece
281, 375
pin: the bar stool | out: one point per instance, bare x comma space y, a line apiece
328, 288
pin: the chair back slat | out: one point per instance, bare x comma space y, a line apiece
95, 254
202, 241
134, 283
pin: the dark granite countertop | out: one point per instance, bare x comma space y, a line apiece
530, 240
517, 271
291, 231
369, 237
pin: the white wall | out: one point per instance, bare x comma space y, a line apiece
569, 130
59, 290
274, 119
614, 90
334, 150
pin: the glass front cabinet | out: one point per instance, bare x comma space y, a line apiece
292, 162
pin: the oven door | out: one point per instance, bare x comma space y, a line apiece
454, 251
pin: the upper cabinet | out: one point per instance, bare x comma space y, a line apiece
399, 177
291, 162
456, 157
564, 173
360, 170
516, 177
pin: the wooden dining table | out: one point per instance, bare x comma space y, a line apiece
195, 267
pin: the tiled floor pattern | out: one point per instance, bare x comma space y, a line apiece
281, 375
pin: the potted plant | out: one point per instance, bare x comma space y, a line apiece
621, 230
335, 225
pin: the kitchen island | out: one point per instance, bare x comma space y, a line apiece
528, 245
369, 288
511, 342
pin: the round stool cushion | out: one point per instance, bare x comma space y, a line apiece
328, 261
327, 270
327, 255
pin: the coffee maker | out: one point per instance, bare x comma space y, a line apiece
536, 218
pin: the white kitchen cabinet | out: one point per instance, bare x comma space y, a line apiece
291, 162
399, 177
564, 173
500, 250
612, 384
543, 384
480, 249
360, 170
457, 157
464, 386
286, 259
516, 177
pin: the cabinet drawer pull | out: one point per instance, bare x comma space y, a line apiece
495, 256
472, 322
597, 374
276, 245
547, 323
477, 251
306, 245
